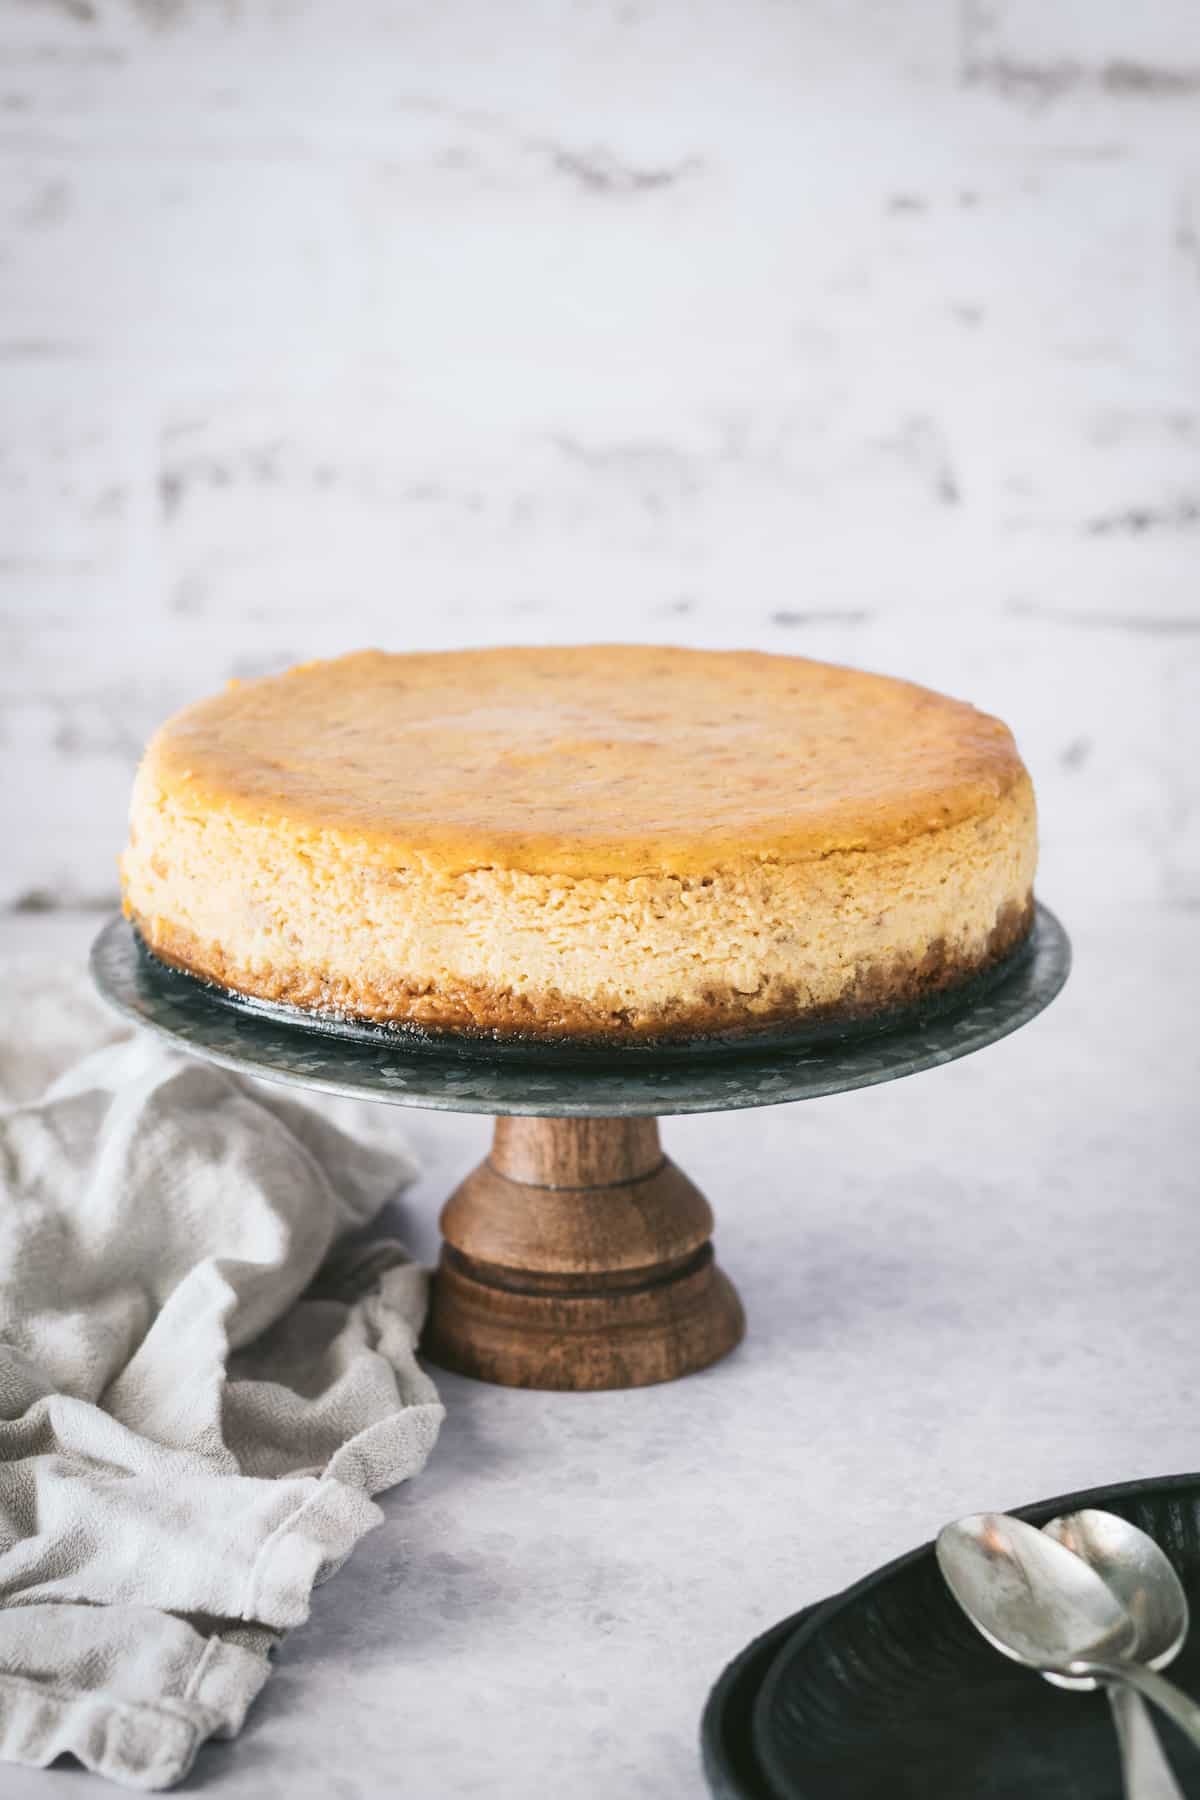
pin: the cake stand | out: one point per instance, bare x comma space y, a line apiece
577, 1255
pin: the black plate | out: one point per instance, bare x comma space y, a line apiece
887, 1693
381, 1064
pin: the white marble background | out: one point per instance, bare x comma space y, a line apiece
864, 328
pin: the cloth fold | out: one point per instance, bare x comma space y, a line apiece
206, 1373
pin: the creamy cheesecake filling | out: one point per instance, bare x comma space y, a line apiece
323, 923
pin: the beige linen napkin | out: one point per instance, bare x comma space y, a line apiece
204, 1376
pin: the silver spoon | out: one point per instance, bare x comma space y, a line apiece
1145, 1582
1037, 1602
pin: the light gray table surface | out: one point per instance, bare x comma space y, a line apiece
970, 1289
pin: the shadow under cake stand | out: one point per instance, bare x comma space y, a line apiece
577, 1255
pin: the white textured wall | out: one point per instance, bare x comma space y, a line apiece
869, 330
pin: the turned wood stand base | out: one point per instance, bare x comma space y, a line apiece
578, 1256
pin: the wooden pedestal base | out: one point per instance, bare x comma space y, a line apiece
578, 1256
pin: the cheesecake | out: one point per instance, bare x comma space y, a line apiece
605, 843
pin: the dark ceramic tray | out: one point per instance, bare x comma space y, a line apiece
731, 1766
887, 1693
374, 1062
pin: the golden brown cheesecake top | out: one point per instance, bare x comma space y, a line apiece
594, 760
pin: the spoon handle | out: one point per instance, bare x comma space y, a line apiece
1152, 1686
1143, 1761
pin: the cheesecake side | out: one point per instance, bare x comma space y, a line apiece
323, 924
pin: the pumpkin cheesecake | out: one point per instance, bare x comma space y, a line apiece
611, 842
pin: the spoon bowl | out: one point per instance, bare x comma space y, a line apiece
1138, 1572
1031, 1597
